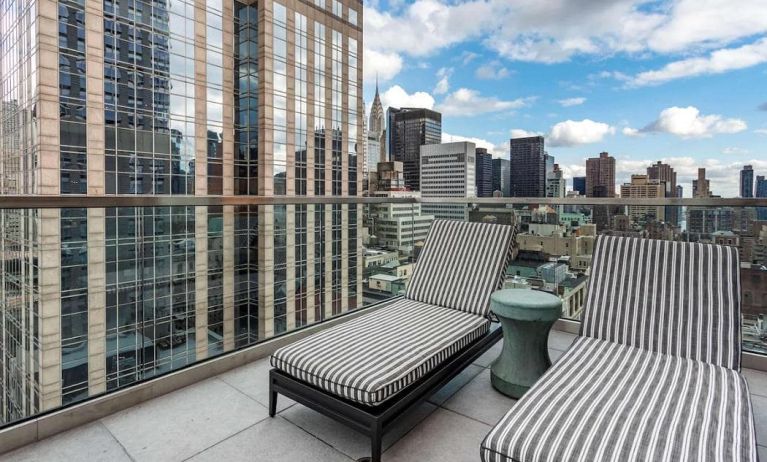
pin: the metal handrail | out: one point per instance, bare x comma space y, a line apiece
75, 201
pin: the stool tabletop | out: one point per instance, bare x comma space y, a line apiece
526, 304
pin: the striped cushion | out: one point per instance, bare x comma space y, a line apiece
610, 402
681, 299
371, 358
462, 264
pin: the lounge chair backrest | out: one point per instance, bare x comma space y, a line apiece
461, 264
676, 298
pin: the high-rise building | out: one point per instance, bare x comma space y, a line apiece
600, 176
375, 134
163, 98
666, 175
579, 184
501, 177
600, 182
407, 130
747, 181
388, 176
642, 187
761, 192
447, 170
556, 185
484, 173
702, 186
528, 167
679, 191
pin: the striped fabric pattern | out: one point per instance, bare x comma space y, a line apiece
681, 299
462, 264
605, 401
373, 357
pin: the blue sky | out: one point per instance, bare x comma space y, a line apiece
681, 81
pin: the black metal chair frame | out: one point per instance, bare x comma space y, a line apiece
375, 421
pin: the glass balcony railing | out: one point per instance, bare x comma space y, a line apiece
102, 293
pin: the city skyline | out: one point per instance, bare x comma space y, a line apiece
680, 90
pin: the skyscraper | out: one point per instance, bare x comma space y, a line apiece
600, 182
642, 187
447, 170
666, 174
206, 98
528, 167
600, 176
761, 192
701, 186
747, 181
556, 185
579, 184
484, 173
375, 133
501, 176
407, 130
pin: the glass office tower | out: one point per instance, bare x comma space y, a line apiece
171, 98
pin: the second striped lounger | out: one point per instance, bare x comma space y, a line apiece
367, 372
655, 372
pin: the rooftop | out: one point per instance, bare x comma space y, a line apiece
225, 418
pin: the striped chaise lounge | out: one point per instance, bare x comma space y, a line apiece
654, 374
368, 371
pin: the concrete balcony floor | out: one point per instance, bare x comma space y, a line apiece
225, 419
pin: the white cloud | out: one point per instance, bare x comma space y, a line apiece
443, 85
492, 71
557, 30
708, 23
716, 62
632, 132
396, 96
761, 131
467, 102
688, 122
425, 26
567, 102
384, 65
468, 56
573, 133
733, 150
497, 150
520, 133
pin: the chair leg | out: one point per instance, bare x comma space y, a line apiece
272, 401
375, 444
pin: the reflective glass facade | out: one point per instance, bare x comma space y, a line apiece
171, 98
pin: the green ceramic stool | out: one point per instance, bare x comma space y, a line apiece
526, 317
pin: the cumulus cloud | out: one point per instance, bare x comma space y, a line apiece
573, 133
557, 30
632, 132
567, 102
443, 85
493, 70
396, 96
382, 65
716, 62
761, 131
688, 122
497, 150
520, 133
467, 102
